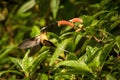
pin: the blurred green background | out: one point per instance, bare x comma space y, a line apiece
22, 19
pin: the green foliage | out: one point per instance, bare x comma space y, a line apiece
59, 50
28, 64
89, 51
77, 65
54, 7
25, 7
35, 31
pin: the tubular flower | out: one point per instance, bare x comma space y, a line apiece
76, 20
64, 22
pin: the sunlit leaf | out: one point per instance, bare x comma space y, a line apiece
35, 31
44, 77
98, 58
26, 61
61, 76
17, 62
80, 66
60, 49
34, 64
93, 59
29, 64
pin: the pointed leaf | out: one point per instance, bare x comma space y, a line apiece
96, 60
105, 52
77, 39
81, 66
17, 62
54, 7
26, 61
28, 5
110, 14
60, 49
85, 45
10, 71
114, 25
4, 52
99, 13
117, 39
37, 61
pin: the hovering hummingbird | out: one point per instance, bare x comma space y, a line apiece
42, 39
35, 42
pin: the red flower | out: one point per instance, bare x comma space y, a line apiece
64, 22
76, 20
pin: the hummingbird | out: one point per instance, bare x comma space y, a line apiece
36, 42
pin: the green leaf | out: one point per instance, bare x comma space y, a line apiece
54, 35
34, 64
101, 23
44, 77
65, 29
80, 66
26, 62
117, 39
5, 51
65, 35
110, 77
17, 62
87, 20
108, 16
77, 39
85, 45
71, 56
91, 28
98, 58
60, 49
99, 13
10, 71
61, 76
35, 31
114, 25
23, 63
25, 7
105, 51
29, 64
93, 56
54, 7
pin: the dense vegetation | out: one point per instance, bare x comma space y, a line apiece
89, 51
